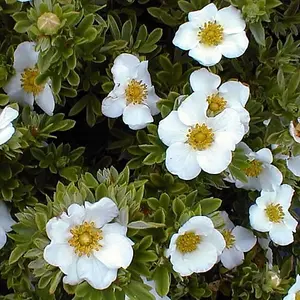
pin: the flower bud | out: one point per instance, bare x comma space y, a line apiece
48, 23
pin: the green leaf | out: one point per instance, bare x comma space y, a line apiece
258, 32
154, 36
113, 27
286, 267
41, 220
209, 205
144, 225
186, 6
161, 277
17, 253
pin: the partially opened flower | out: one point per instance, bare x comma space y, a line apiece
133, 96
270, 214
7, 129
6, 222
85, 246
294, 291
197, 142
295, 130
22, 87
261, 174
231, 94
151, 283
265, 245
238, 240
196, 246
211, 33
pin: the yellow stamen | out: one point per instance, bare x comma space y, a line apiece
274, 212
188, 242
297, 296
254, 169
136, 92
200, 137
28, 81
229, 238
85, 238
211, 34
216, 103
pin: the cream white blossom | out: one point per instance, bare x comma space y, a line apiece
22, 87
151, 283
238, 240
270, 214
85, 246
261, 174
295, 130
196, 247
6, 222
294, 291
7, 129
211, 33
133, 95
197, 142
231, 94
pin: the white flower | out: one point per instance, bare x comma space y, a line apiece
294, 291
295, 131
231, 94
85, 247
211, 33
151, 283
270, 214
238, 240
22, 87
133, 96
196, 246
261, 174
196, 141
6, 222
7, 130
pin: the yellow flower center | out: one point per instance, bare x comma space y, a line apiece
85, 238
216, 103
274, 212
211, 34
28, 81
229, 238
188, 242
297, 296
136, 92
200, 137
254, 169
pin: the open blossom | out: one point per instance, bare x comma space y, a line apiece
6, 222
238, 240
294, 291
22, 87
196, 246
197, 142
85, 246
7, 129
270, 214
133, 95
151, 283
231, 94
261, 174
211, 33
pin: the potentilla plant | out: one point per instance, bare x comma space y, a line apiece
149, 150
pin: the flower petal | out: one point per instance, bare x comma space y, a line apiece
152, 100
206, 56
244, 238
72, 277
231, 20
3, 237
193, 109
284, 195
216, 239
137, 114
264, 155
172, 130
137, 127
234, 45
124, 68
115, 228
201, 225
75, 216
206, 14
281, 234
232, 258
113, 106
101, 212
7, 115
95, 273
270, 177
58, 231
258, 219
115, 252
25, 56
227, 222
6, 134
45, 100
204, 81
186, 37
181, 161
6, 220
234, 91
290, 222
143, 73
293, 165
